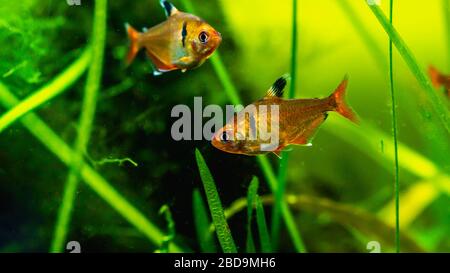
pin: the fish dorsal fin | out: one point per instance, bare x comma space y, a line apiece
277, 88
168, 7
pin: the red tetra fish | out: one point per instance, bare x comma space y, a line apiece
183, 41
439, 80
295, 122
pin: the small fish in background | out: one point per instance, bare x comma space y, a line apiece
439, 80
183, 41
297, 121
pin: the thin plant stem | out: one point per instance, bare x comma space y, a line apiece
98, 37
394, 136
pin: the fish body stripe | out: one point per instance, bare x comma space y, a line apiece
184, 34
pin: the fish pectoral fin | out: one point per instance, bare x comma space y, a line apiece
184, 60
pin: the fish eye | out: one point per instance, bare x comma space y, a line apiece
224, 137
203, 37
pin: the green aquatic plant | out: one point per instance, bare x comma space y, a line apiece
394, 136
27, 40
202, 224
264, 237
95, 181
264, 163
251, 197
434, 99
254, 203
59, 84
93, 83
215, 206
119, 161
165, 210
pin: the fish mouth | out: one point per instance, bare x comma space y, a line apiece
218, 37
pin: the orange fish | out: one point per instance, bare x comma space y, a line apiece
439, 80
183, 41
294, 123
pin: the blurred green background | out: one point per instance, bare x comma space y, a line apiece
348, 165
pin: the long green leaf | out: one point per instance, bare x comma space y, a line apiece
251, 195
202, 224
264, 237
435, 100
215, 206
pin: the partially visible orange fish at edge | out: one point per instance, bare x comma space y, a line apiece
439, 80
182, 42
298, 121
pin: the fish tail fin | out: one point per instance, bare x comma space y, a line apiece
436, 77
133, 35
338, 101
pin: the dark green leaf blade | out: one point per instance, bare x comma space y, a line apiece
215, 206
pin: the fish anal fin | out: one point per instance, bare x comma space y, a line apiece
158, 64
310, 128
301, 140
278, 153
